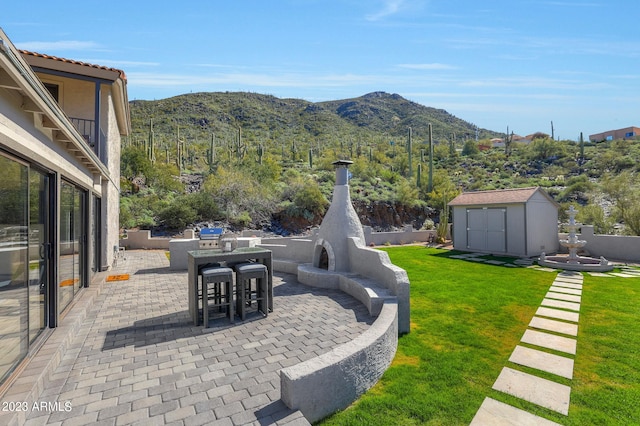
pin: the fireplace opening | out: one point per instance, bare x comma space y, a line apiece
323, 262
323, 257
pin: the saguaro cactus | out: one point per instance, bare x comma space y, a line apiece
452, 145
240, 147
151, 142
210, 160
430, 182
260, 152
409, 149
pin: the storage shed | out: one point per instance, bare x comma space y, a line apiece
514, 222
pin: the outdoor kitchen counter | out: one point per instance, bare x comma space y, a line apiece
197, 258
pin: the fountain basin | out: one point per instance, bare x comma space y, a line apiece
573, 244
577, 263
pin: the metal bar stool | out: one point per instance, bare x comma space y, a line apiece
245, 293
222, 296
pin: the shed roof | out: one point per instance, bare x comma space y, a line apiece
501, 196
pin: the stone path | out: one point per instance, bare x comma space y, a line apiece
550, 347
139, 360
553, 327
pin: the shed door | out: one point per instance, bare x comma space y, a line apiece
486, 230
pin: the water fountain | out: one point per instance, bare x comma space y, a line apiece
574, 262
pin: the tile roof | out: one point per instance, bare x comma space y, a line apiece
74, 62
503, 196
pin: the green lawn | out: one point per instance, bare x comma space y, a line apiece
466, 319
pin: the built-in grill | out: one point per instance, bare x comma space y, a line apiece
210, 237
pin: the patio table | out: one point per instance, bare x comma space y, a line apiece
197, 258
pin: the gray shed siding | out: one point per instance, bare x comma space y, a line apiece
542, 226
515, 229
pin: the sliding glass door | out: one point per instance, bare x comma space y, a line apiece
71, 270
39, 250
14, 243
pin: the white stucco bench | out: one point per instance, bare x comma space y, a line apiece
365, 290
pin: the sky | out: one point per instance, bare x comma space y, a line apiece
516, 64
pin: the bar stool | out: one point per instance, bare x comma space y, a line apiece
245, 293
200, 282
222, 296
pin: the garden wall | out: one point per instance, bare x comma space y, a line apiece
612, 247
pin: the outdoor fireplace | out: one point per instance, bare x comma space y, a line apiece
340, 222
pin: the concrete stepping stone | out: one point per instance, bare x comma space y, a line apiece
543, 392
562, 296
561, 304
570, 274
599, 274
458, 256
567, 285
546, 269
569, 280
565, 290
544, 361
549, 341
623, 275
553, 325
510, 265
495, 262
557, 313
496, 413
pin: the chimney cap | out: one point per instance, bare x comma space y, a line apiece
345, 163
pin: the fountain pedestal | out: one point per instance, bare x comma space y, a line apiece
573, 262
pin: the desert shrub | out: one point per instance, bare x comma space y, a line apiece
593, 214
428, 225
242, 220
178, 215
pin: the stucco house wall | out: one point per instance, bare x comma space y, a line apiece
71, 183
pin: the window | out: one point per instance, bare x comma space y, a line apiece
54, 89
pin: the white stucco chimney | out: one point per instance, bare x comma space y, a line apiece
339, 223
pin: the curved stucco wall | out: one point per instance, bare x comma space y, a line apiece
376, 265
330, 382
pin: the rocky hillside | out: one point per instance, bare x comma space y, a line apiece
266, 118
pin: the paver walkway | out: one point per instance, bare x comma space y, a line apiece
139, 360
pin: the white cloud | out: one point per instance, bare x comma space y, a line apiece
433, 66
390, 7
534, 82
120, 64
46, 46
251, 80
